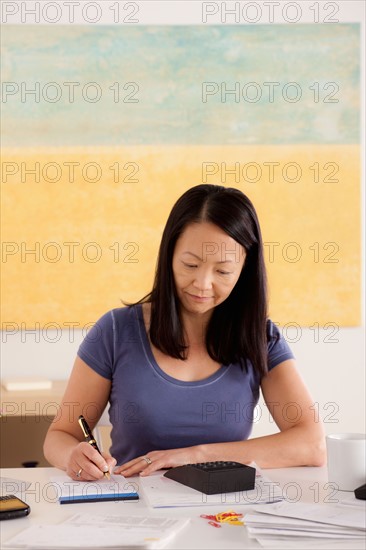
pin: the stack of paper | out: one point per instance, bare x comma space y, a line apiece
84, 531
299, 522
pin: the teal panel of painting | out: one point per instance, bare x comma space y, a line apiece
274, 84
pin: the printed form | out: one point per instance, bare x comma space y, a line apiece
84, 531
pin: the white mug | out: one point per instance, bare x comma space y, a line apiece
346, 460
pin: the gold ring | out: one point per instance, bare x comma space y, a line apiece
147, 460
79, 472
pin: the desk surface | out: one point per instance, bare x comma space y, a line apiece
305, 484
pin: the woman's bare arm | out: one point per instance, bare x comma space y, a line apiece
87, 393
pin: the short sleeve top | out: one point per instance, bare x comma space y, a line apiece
150, 410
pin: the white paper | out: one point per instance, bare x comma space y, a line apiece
299, 533
301, 525
11, 486
84, 531
353, 501
268, 521
162, 492
285, 543
260, 517
346, 516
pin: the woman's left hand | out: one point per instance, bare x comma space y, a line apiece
159, 460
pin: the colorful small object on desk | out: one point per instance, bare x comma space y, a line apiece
214, 524
230, 517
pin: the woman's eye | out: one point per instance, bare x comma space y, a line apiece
190, 265
224, 272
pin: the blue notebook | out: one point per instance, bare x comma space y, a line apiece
116, 488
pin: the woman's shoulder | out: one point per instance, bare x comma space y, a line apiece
117, 318
272, 331
117, 313
125, 312
278, 348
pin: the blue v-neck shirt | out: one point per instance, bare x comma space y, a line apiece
150, 410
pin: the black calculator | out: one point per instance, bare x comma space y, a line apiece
212, 478
12, 507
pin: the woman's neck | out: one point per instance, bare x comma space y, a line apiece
195, 327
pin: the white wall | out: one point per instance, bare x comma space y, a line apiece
335, 375
334, 372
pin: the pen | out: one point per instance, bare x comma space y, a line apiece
90, 438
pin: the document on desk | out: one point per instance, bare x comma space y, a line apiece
84, 531
162, 492
285, 524
116, 488
11, 486
326, 514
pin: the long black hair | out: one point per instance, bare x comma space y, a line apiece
236, 331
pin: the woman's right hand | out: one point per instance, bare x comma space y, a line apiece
86, 464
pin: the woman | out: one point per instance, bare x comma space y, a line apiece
183, 367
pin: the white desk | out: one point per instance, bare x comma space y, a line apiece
305, 484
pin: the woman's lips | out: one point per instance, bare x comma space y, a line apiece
201, 299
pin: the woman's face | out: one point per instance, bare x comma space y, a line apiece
206, 265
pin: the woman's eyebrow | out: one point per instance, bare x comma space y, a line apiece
200, 259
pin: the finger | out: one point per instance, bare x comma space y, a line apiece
94, 456
78, 473
124, 467
132, 470
85, 471
155, 465
111, 463
107, 456
158, 463
92, 462
82, 465
137, 465
162, 461
72, 472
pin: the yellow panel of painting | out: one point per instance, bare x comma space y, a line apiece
81, 227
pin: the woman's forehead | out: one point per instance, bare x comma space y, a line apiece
205, 240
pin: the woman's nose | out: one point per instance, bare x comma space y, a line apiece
202, 280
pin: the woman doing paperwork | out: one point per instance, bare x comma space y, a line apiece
183, 367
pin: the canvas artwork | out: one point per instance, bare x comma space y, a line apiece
105, 127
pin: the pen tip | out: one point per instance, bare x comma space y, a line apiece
107, 475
